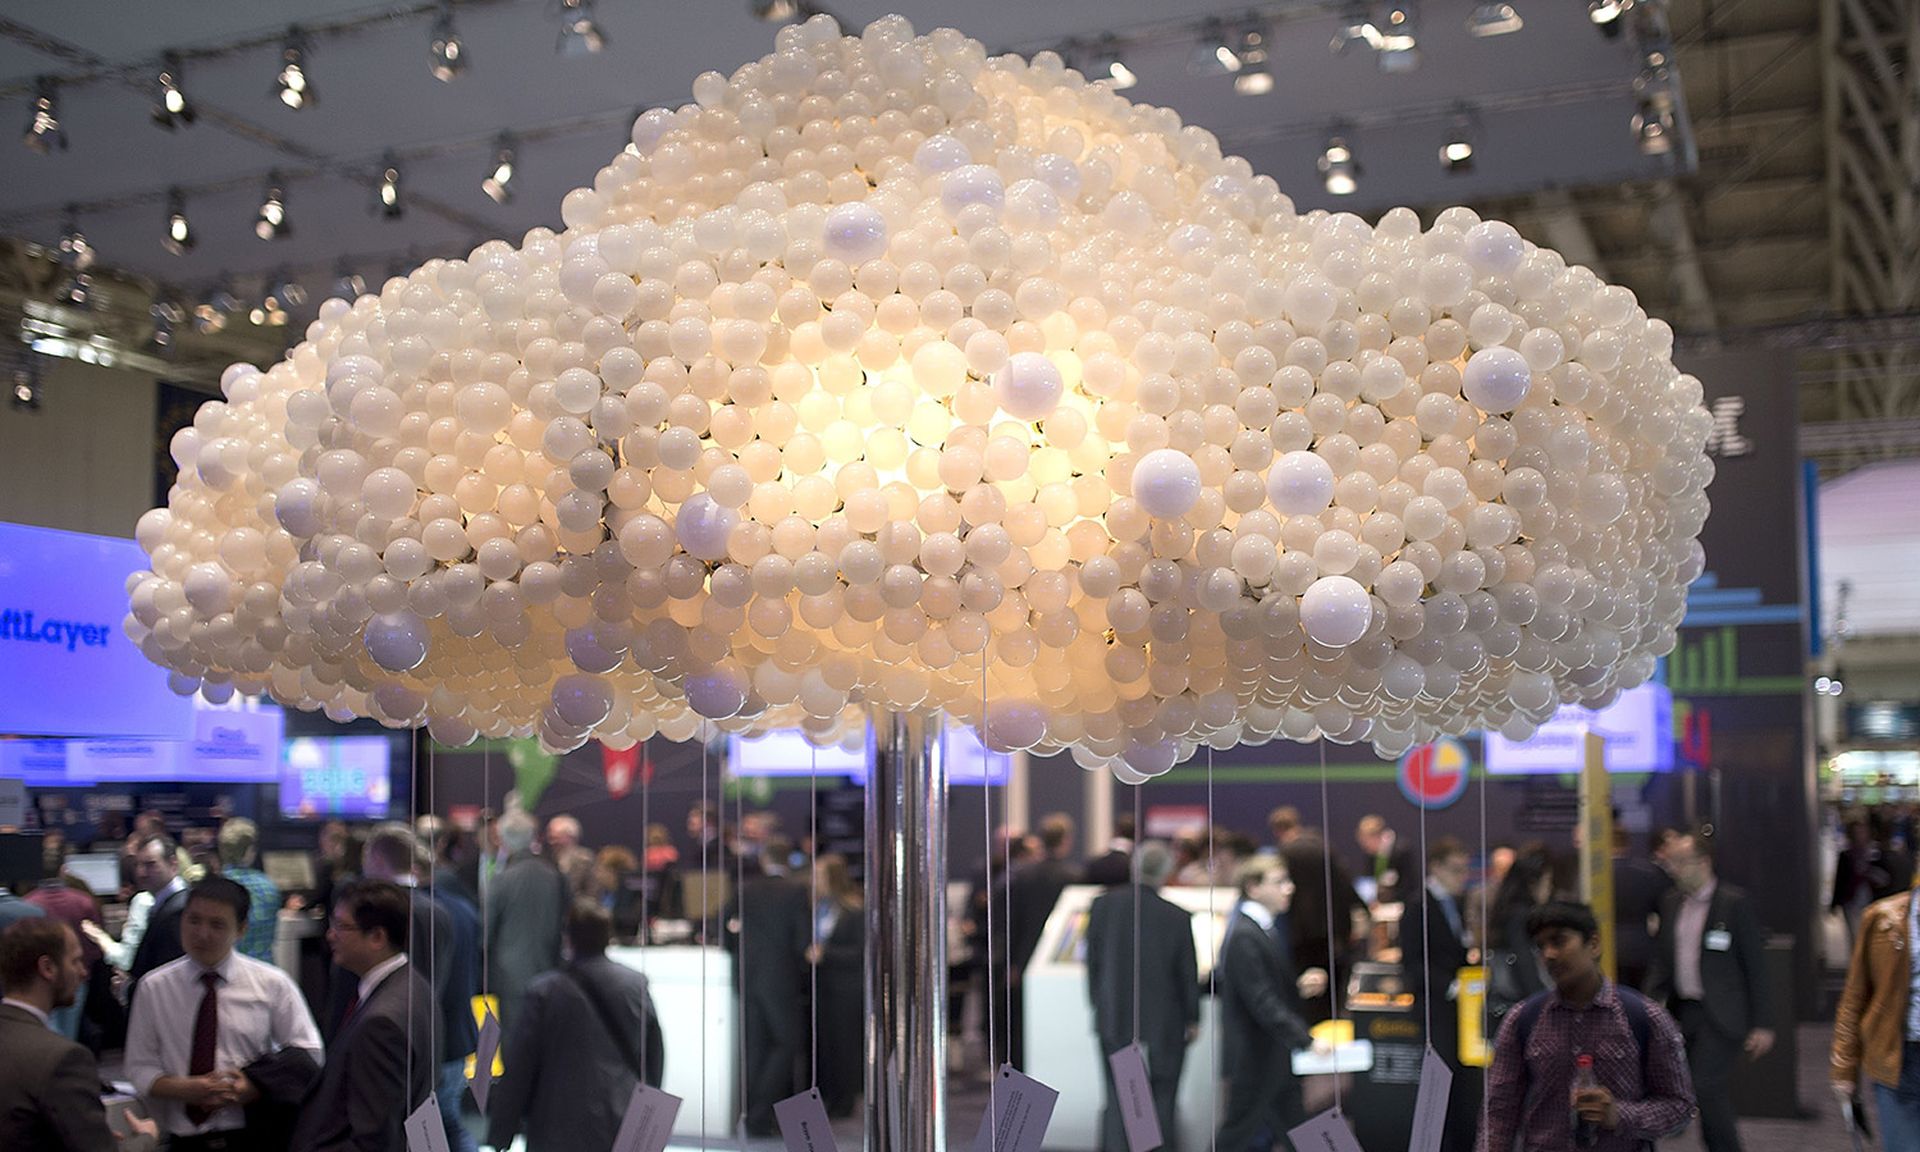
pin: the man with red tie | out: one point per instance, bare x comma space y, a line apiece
216, 1033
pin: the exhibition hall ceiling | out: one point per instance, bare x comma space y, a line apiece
1547, 106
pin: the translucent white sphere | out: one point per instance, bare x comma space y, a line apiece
1029, 387
1496, 379
1300, 484
1336, 611
1166, 483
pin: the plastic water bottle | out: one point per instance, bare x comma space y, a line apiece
1586, 1133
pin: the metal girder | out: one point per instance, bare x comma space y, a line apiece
1873, 189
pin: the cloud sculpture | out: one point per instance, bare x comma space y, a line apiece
884, 367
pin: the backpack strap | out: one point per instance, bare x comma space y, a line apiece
1641, 1025
1524, 1018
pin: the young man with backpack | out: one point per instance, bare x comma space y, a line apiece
1586, 1064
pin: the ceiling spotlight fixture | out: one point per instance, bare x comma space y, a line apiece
23, 388
1356, 27
1106, 64
179, 236
272, 222
1653, 128
446, 54
75, 253
1456, 155
1399, 37
781, 11
44, 133
348, 284
284, 293
1253, 78
1213, 54
1339, 171
1606, 11
291, 85
167, 316
389, 204
170, 107
580, 34
1496, 19
210, 314
498, 184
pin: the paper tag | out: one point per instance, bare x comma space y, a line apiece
1024, 1107
425, 1132
1133, 1095
1327, 1132
1719, 940
1430, 1107
803, 1123
648, 1124
482, 1083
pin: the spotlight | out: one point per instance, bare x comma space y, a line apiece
24, 389
291, 84
1254, 78
1654, 83
167, 316
44, 132
76, 291
1606, 14
1653, 128
348, 284
1495, 19
1106, 64
283, 293
781, 11
1212, 54
1339, 171
272, 222
580, 34
210, 314
1456, 154
1356, 27
170, 107
389, 204
446, 55
1399, 37
499, 179
179, 232
75, 253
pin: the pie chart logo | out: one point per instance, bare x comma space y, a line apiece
1435, 775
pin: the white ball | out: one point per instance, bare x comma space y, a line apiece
397, 641
1496, 379
1028, 387
1336, 611
717, 693
855, 233
581, 700
1166, 483
1300, 484
1015, 725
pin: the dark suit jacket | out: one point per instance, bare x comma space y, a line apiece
1307, 863
526, 910
49, 1090
1734, 980
433, 948
569, 1083
161, 944
1169, 974
461, 982
1439, 957
1259, 1005
774, 914
358, 1104
1639, 889
1108, 869
1036, 889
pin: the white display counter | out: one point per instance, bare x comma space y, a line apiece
701, 1032
1062, 1051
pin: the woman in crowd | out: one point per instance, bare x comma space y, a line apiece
1514, 971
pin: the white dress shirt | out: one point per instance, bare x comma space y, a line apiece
138, 910
376, 974
261, 1012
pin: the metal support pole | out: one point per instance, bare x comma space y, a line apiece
906, 963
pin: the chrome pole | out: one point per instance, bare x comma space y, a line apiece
906, 962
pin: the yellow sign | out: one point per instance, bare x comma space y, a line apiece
1596, 845
481, 1006
1475, 1051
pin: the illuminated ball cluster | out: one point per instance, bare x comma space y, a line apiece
884, 368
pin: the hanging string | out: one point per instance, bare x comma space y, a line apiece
433, 891
707, 836
1213, 976
1006, 877
1426, 939
1333, 941
413, 805
1133, 854
813, 885
483, 880
646, 887
740, 913
1486, 960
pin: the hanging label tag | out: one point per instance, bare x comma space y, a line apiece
648, 1124
1133, 1095
482, 1083
1025, 1108
1430, 1106
425, 1132
803, 1123
1327, 1132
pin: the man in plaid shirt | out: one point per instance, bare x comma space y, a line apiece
1639, 1060
238, 839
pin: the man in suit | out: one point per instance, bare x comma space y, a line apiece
1709, 971
1640, 887
1113, 866
49, 1086
585, 1035
768, 928
1033, 891
1260, 1017
1168, 986
1434, 947
1307, 858
526, 909
156, 869
379, 1069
